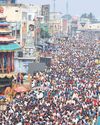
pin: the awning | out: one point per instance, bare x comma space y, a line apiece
20, 89
7, 75
36, 67
6, 39
4, 23
9, 47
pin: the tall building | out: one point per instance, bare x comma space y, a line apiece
13, 1
7, 1
55, 23
45, 12
24, 24
8, 46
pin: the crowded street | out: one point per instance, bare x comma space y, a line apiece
67, 93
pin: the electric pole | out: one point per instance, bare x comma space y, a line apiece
67, 7
54, 8
67, 16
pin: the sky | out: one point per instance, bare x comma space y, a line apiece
75, 7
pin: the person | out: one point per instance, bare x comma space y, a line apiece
18, 77
21, 78
69, 97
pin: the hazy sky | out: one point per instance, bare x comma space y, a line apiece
76, 7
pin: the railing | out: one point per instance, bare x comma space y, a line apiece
5, 70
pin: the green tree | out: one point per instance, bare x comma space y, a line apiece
44, 34
89, 16
84, 15
44, 31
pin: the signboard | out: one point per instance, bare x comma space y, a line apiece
83, 24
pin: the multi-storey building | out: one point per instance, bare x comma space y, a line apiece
24, 22
86, 24
55, 23
45, 11
7, 1
8, 46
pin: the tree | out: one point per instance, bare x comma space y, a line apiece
44, 34
85, 15
89, 16
44, 31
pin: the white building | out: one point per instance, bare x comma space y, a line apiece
85, 24
21, 17
24, 20
55, 23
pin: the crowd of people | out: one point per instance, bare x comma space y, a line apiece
65, 94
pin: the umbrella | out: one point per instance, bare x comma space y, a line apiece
40, 95
20, 89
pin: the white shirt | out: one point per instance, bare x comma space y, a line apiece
19, 123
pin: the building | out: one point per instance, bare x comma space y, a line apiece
66, 24
83, 23
7, 48
23, 19
45, 11
74, 25
24, 22
7, 1
55, 23
86, 24
26, 28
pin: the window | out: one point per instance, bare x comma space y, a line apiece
16, 10
29, 17
24, 16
